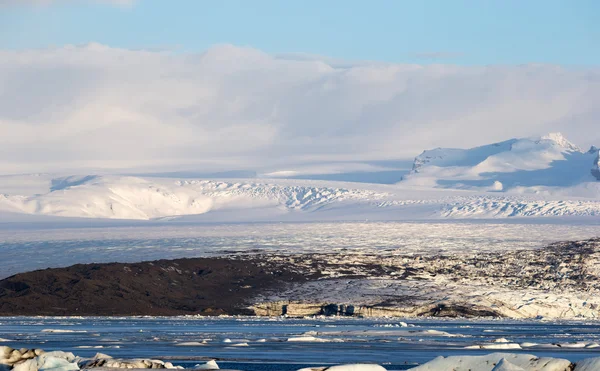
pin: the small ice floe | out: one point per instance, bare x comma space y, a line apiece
399, 324
4, 340
307, 339
529, 345
494, 346
63, 331
350, 367
210, 365
227, 340
191, 343
106, 361
572, 345
592, 345
399, 332
89, 347
239, 345
502, 340
261, 340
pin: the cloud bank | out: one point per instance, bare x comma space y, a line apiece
96, 107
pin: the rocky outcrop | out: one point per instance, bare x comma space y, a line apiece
207, 286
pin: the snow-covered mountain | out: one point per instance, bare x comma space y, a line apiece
125, 197
516, 164
539, 177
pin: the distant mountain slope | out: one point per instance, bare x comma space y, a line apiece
550, 161
147, 198
540, 177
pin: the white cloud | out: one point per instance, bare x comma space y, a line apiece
230, 108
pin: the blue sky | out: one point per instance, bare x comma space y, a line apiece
423, 31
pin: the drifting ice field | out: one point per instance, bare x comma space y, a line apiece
258, 344
29, 246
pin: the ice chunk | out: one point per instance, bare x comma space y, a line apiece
210, 365
504, 365
191, 344
488, 362
53, 363
350, 367
493, 346
307, 339
356, 367
589, 364
29, 365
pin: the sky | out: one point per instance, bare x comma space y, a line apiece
148, 85
400, 31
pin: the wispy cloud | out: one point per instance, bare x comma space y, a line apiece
232, 108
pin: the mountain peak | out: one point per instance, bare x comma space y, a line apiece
550, 160
561, 141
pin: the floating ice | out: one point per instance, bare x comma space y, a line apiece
489, 362
350, 367
210, 365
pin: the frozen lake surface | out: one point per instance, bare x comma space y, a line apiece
265, 346
29, 246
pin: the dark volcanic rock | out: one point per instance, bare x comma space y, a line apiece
208, 286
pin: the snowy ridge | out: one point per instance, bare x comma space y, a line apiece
550, 161
494, 207
293, 197
137, 198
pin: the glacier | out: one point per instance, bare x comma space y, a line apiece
529, 177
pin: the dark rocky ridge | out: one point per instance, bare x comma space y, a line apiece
208, 286
309, 284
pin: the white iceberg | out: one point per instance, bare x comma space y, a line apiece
210, 365
526, 362
504, 365
590, 364
350, 367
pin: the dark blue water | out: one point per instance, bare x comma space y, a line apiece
262, 344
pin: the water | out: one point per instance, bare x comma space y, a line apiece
348, 340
